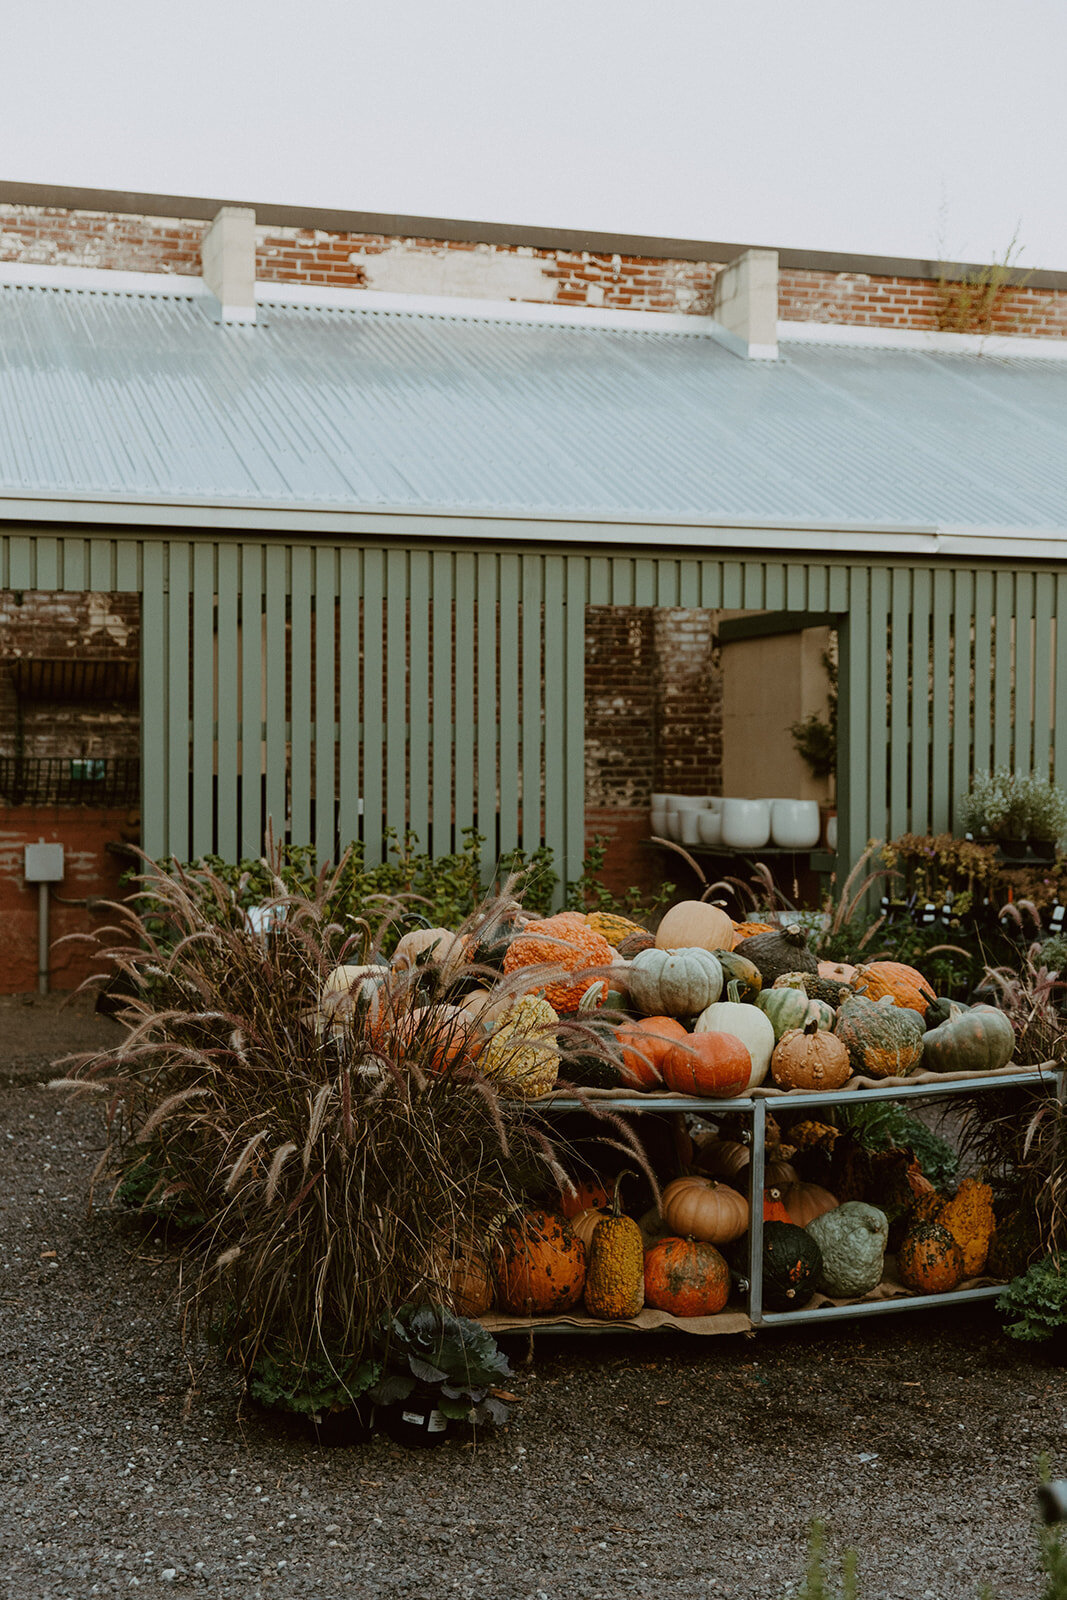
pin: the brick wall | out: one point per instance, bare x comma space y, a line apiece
885, 302
653, 721
45, 236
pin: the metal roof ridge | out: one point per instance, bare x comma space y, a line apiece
930, 341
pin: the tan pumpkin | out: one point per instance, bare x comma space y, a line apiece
470, 1283
806, 1201
837, 972
440, 946
724, 1158
807, 1059
695, 925
584, 1224
700, 1208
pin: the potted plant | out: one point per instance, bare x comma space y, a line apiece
1019, 810
439, 1369
330, 1394
1036, 1302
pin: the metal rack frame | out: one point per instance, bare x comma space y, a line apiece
756, 1109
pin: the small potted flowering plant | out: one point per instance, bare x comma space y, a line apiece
440, 1369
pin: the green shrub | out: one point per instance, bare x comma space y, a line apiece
1037, 1301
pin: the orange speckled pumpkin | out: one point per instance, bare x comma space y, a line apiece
539, 1265
590, 1194
686, 1277
929, 1260
904, 985
712, 1064
564, 941
644, 1045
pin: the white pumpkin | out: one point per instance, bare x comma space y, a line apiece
674, 983
345, 987
746, 1023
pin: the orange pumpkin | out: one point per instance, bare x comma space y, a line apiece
748, 930
837, 971
589, 1194
644, 1044
904, 985
470, 1283
806, 1201
687, 1277
539, 1265
810, 1059
929, 1259
774, 1207
724, 1158
700, 1208
712, 1064
564, 941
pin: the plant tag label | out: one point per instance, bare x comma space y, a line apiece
437, 1423
417, 1417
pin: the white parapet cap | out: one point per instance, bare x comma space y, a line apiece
858, 336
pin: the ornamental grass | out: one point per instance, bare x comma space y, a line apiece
341, 1160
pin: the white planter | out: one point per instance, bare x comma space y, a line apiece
658, 822
689, 825
670, 823
795, 824
831, 832
746, 824
709, 826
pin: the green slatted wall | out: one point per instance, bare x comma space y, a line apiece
346, 689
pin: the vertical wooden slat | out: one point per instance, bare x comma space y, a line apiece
1059, 706
350, 788
983, 671
252, 699
666, 584
227, 704
600, 581
155, 705
202, 655
941, 698
574, 844
752, 586
818, 589
689, 584
838, 588
644, 583
1023, 713
878, 691
75, 567
920, 700
963, 615
555, 709
1004, 602
419, 697
325, 703
796, 587
101, 566
853, 711
275, 649
47, 573
21, 563
127, 565
372, 752
508, 646
532, 686
774, 586
300, 694
178, 764
899, 718
443, 711
477, 575
1044, 666
711, 585
396, 690
622, 581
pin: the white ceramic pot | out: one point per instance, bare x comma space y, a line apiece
831, 832
709, 826
658, 822
670, 823
660, 802
746, 824
689, 826
690, 802
795, 824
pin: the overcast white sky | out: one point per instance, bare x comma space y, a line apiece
910, 127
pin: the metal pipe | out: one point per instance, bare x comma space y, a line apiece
756, 1169
42, 938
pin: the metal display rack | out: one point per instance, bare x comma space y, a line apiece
755, 1108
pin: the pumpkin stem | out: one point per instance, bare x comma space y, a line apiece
733, 990
811, 1026
616, 1209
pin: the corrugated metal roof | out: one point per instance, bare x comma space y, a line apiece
141, 396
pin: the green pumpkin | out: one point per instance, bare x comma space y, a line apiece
852, 1240
791, 1008
792, 1262
674, 983
830, 990
735, 969
883, 1039
588, 1068
781, 950
971, 1040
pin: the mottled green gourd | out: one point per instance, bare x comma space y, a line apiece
791, 1264
979, 1040
852, 1240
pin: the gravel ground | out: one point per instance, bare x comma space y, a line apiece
635, 1467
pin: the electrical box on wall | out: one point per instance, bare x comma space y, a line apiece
44, 863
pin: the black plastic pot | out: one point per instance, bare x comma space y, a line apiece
415, 1422
353, 1424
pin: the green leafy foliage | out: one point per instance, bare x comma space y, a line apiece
1036, 1301
587, 893
885, 1125
429, 1346
310, 1384
150, 1187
